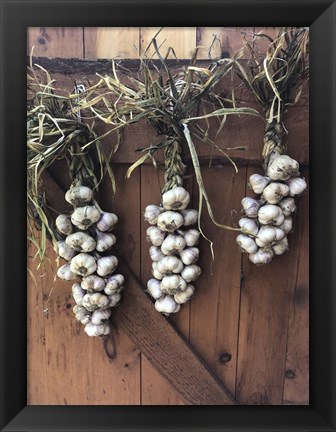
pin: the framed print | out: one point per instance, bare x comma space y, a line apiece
254, 350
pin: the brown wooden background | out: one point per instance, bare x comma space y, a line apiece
249, 324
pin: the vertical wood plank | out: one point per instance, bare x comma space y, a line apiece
111, 42
181, 39
215, 305
65, 42
296, 385
155, 390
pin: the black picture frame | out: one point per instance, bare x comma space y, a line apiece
16, 16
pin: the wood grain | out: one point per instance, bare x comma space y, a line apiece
65, 42
111, 42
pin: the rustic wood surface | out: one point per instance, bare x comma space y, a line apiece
249, 324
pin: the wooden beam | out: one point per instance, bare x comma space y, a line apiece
157, 338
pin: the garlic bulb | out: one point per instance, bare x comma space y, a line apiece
155, 271
81, 242
104, 241
191, 272
169, 221
92, 283
258, 183
287, 206
250, 206
65, 251
95, 301
152, 213
155, 253
281, 247
191, 237
114, 284
153, 287
173, 244
155, 235
106, 265
296, 186
189, 255
287, 225
270, 214
113, 299
274, 192
83, 264
97, 330
167, 305
248, 226
175, 199
266, 235
279, 234
106, 221
246, 243
190, 216
184, 296
169, 265
173, 284
65, 272
78, 294
263, 256
82, 314
99, 316
63, 224
282, 168
84, 217
79, 195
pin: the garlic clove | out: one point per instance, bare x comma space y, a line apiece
84, 217
106, 265
95, 301
246, 243
263, 256
81, 242
155, 253
83, 264
152, 213
189, 255
296, 186
107, 221
63, 224
78, 294
282, 168
65, 272
191, 237
190, 216
153, 288
105, 241
65, 251
287, 206
79, 195
175, 199
184, 296
167, 305
169, 264
258, 183
93, 282
191, 272
169, 221
155, 235
274, 192
172, 284
173, 244
248, 226
250, 206
281, 247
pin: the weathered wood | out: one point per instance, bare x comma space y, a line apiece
296, 384
217, 294
111, 42
54, 41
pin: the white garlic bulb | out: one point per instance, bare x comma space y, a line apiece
114, 284
191, 272
79, 195
114, 299
191, 237
266, 235
152, 213
246, 243
153, 287
184, 296
81, 242
250, 206
78, 294
287, 206
281, 247
263, 256
99, 316
167, 305
190, 216
106, 265
104, 241
169, 265
169, 221
173, 284
155, 271
97, 330
155, 253
248, 226
173, 244
107, 221
189, 255
279, 234
270, 214
65, 272
176, 199
282, 168
287, 225
65, 251
82, 314
63, 224
155, 235
274, 192
258, 183
83, 264
84, 217
95, 301
296, 186
93, 282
